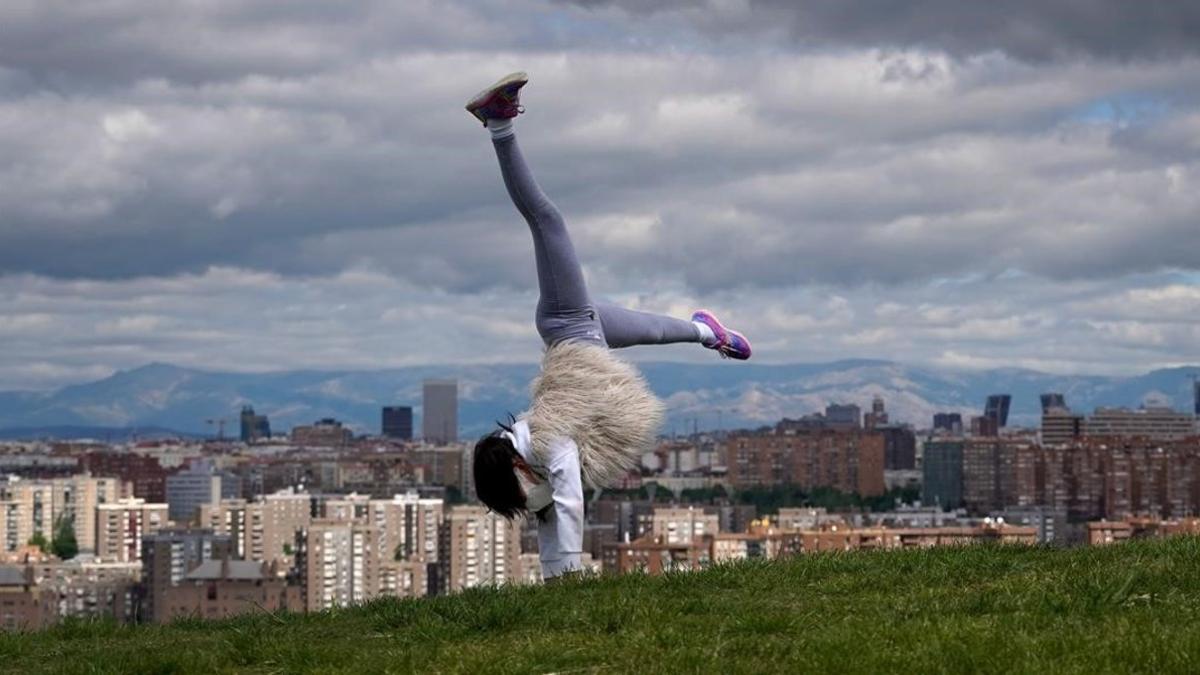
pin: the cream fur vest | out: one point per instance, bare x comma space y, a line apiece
590, 396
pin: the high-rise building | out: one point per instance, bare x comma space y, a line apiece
254, 427
1060, 426
272, 523
263, 530
199, 484
168, 556
949, 422
942, 469
144, 472
439, 415
408, 526
397, 422
403, 578
1196, 397
121, 526
984, 425
847, 460
226, 517
996, 409
899, 447
29, 507
338, 563
477, 548
1161, 424
12, 520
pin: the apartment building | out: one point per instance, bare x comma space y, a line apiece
263, 530
29, 507
338, 563
408, 526
848, 460
122, 525
89, 589
477, 548
682, 525
1158, 424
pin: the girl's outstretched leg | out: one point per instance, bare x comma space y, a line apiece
626, 328
564, 311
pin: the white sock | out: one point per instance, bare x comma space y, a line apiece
501, 128
707, 337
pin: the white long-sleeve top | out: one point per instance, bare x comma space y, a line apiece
560, 533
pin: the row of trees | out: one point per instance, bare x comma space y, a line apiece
63, 544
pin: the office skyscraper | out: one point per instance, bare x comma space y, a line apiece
839, 416
254, 427
997, 409
1196, 397
439, 419
397, 422
951, 422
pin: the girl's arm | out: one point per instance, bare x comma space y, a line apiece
560, 532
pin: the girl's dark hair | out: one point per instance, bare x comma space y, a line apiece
495, 483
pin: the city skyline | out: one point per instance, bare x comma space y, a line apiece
299, 188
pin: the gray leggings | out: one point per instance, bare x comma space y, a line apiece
564, 310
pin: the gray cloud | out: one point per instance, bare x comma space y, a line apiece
832, 173
258, 184
1032, 30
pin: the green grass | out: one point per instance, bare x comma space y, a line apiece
1128, 608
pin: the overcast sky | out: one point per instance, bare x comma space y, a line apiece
257, 185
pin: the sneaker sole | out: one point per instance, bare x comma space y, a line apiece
482, 97
749, 349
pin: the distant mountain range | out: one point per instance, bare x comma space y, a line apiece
160, 398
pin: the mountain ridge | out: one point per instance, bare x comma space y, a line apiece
703, 396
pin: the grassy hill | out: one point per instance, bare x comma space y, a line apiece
1127, 608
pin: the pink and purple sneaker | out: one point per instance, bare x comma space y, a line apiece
729, 343
501, 101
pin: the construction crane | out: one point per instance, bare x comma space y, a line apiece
220, 422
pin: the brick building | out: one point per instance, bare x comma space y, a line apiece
167, 557
1087, 479
850, 461
1113, 531
24, 605
218, 589
145, 475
